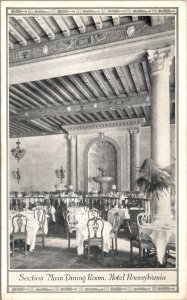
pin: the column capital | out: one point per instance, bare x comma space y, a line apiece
72, 138
160, 59
134, 131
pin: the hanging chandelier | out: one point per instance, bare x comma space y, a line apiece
60, 173
18, 152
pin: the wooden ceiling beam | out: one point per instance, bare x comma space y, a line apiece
61, 23
98, 22
120, 113
30, 91
146, 73
77, 82
112, 113
104, 114
78, 20
41, 92
90, 83
121, 75
16, 104
46, 28
19, 37
97, 76
50, 91
74, 118
72, 88
61, 90
101, 104
145, 113
82, 117
97, 116
111, 80
128, 112
15, 90
89, 117
135, 78
157, 20
24, 23
41, 124
19, 99
116, 20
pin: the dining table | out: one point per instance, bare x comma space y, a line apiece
160, 235
32, 227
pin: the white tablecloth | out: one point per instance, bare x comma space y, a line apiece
123, 214
160, 236
32, 227
82, 234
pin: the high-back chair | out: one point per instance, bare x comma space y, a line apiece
95, 227
71, 227
170, 255
136, 241
115, 228
40, 216
142, 218
19, 231
93, 213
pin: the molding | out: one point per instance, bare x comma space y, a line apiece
108, 124
87, 40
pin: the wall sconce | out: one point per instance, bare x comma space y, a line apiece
60, 173
17, 175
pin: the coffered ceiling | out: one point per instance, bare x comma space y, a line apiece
41, 107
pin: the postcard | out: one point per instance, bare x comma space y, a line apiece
93, 156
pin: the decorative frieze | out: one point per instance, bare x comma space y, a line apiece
108, 124
65, 45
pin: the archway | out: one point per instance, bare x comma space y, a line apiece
102, 151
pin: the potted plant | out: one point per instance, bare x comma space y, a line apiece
155, 182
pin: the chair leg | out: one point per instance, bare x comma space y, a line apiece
43, 240
68, 237
112, 243
25, 246
13, 247
116, 244
88, 253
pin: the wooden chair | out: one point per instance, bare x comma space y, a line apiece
19, 231
115, 228
95, 227
136, 241
93, 213
170, 255
17, 208
71, 227
40, 216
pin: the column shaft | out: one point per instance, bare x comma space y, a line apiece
73, 165
134, 157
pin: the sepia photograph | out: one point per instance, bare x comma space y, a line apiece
92, 149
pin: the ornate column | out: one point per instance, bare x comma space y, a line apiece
73, 161
134, 156
160, 61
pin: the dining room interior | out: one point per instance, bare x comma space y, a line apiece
92, 141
